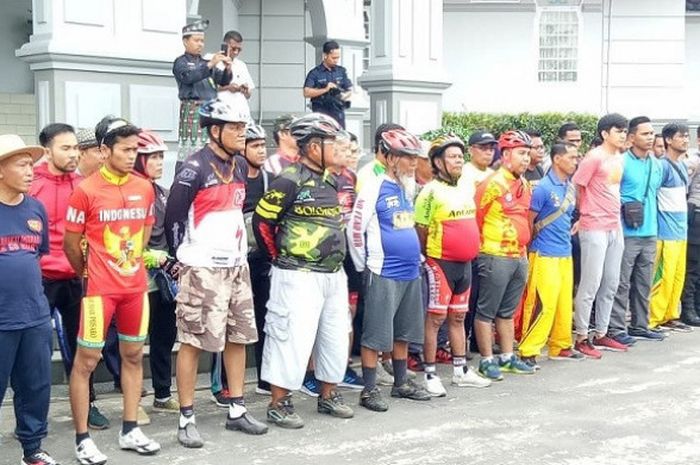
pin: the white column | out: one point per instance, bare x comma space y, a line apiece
405, 79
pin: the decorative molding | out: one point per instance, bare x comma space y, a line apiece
45, 61
87, 102
402, 85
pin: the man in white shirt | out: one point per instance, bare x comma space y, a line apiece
241, 87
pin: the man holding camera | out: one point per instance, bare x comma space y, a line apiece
197, 77
328, 86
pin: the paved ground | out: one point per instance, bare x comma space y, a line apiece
637, 408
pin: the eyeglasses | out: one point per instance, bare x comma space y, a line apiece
539, 148
236, 49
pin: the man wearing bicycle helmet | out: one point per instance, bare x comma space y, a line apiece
502, 203
384, 245
205, 228
449, 237
298, 224
258, 182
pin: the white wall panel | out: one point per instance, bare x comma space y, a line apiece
155, 108
86, 103
91, 12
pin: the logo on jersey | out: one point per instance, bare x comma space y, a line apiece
393, 201
35, 225
75, 216
403, 220
124, 248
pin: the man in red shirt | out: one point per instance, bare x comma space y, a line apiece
53, 184
113, 210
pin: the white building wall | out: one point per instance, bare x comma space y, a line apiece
492, 60
691, 93
647, 58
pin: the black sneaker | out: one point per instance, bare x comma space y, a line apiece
646, 335
373, 400
410, 390
677, 325
39, 458
283, 415
246, 423
334, 406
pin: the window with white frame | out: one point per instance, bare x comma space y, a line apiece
558, 43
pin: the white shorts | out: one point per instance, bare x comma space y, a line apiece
307, 312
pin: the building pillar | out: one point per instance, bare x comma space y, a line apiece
406, 79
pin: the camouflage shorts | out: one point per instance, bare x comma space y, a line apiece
215, 305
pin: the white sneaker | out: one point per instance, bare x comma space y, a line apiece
470, 379
434, 386
87, 453
137, 441
383, 377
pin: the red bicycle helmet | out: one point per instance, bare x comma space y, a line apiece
513, 139
150, 142
401, 142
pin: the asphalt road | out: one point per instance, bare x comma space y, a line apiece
637, 408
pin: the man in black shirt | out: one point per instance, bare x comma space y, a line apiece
197, 78
328, 86
535, 171
258, 262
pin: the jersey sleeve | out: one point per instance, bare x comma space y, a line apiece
151, 202
270, 212
182, 194
222, 76
346, 84
44, 246
486, 193
78, 206
539, 197
362, 213
311, 80
423, 209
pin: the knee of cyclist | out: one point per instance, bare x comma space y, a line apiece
85, 364
457, 319
132, 357
435, 321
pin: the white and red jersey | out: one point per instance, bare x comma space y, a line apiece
204, 215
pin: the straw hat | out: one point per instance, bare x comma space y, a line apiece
11, 145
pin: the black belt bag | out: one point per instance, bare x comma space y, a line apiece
633, 214
633, 211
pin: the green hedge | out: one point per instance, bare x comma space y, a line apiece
463, 124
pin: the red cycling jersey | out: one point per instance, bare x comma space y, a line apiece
113, 213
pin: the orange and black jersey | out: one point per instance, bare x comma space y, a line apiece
298, 221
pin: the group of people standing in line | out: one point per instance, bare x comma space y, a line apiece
306, 256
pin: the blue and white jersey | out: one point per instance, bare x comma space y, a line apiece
381, 232
673, 209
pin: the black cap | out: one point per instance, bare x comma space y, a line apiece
481, 138
198, 27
